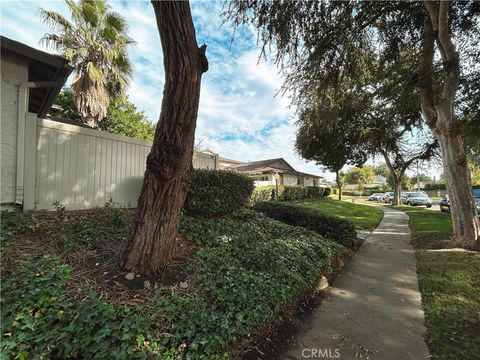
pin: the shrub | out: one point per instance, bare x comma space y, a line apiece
353, 193
39, 321
315, 192
215, 192
287, 193
293, 193
327, 192
434, 186
249, 269
263, 193
333, 228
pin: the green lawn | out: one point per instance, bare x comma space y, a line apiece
449, 284
364, 217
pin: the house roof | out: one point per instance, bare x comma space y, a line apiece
279, 165
224, 159
42, 67
307, 174
379, 179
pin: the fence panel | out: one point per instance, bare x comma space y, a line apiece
82, 168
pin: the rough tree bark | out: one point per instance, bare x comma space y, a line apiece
445, 126
397, 179
169, 164
339, 184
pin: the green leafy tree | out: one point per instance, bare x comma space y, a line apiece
123, 117
315, 42
327, 133
66, 101
96, 45
475, 172
360, 176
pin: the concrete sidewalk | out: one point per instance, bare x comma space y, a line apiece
374, 309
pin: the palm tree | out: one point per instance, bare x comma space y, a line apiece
95, 43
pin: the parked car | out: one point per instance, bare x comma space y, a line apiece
417, 198
388, 196
376, 197
476, 192
444, 204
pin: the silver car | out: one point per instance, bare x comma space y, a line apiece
417, 198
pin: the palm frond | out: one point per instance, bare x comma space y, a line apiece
116, 21
95, 43
75, 11
89, 13
55, 20
100, 5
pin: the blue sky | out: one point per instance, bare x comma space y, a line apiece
240, 115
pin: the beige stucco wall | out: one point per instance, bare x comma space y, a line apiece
290, 180
14, 71
307, 181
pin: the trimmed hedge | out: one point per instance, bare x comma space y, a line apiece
262, 193
435, 187
336, 229
288, 193
316, 192
293, 193
216, 192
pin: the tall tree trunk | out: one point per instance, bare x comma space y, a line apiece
169, 165
466, 227
339, 184
397, 188
397, 180
445, 126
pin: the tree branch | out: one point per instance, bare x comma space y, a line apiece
449, 55
424, 155
426, 74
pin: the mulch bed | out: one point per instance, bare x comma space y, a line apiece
97, 269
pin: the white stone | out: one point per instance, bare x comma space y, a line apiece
322, 283
130, 276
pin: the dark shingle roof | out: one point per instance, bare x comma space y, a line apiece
278, 163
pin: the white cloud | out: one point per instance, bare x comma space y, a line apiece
240, 115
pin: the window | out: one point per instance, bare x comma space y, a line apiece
261, 178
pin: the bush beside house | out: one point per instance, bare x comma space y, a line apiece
217, 193
288, 193
333, 228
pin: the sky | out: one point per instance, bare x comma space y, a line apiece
241, 115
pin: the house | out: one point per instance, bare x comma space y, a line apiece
265, 172
378, 181
226, 164
31, 80
47, 161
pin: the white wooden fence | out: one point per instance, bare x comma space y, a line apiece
83, 168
